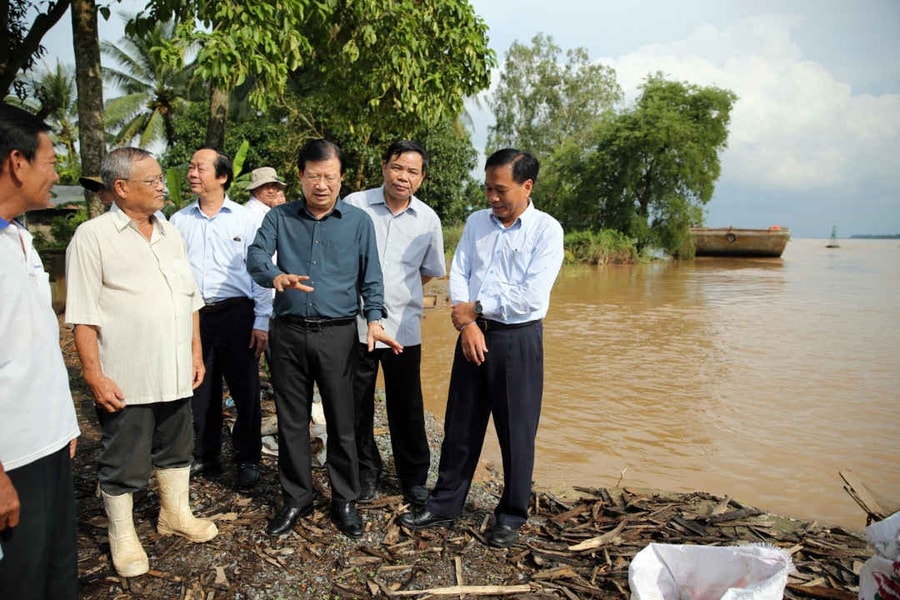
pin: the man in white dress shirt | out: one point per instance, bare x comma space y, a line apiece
266, 191
38, 427
411, 251
500, 280
133, 301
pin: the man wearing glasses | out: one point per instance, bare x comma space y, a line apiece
326, 260
266, 191
234, 321
132, 299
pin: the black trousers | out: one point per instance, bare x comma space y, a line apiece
140, 438
40, 559
324, 355
508, 385
225, 334
405, 412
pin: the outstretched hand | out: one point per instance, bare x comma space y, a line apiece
287, 281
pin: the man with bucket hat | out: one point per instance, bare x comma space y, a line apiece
95, 184
266, 191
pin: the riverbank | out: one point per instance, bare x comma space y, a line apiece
577, 544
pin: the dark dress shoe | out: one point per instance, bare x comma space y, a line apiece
207, 468
286, 518
416, 495
502, 536
247, 475
345, 518
368, 489
420, 519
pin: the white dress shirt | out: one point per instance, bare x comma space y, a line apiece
141, 295
37, 414
410, 245
217, 249
510, 270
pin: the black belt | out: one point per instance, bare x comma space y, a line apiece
316, 323
488, 325
220, 305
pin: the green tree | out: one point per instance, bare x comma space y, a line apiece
541, 102
275, 136
448, 182
89, 81
21, 32
650, 171
548, 107
55, 92
154, 90
412, 60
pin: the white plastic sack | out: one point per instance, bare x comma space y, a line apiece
879, 578
682, 572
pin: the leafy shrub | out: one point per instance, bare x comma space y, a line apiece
599, 248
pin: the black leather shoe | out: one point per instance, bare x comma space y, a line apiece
368, 487
420, 519
416, 495
207, 468
347, 519
247, 475
502, 536
286, 518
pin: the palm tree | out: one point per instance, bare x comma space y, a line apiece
55, 91
154, 91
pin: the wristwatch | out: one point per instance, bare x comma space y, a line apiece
478, 309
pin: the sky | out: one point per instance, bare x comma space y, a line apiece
814, 140
815, 134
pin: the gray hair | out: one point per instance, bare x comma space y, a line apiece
118, 164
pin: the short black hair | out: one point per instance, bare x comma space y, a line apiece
317, 151
19, 130
224, 166
401, 147
524, 164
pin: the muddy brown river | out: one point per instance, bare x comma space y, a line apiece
758, 379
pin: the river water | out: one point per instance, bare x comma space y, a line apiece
758, 379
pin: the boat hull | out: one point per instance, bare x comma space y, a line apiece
744, 243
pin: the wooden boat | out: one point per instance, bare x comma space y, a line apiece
730, 241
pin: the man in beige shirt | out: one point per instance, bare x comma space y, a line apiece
133, 301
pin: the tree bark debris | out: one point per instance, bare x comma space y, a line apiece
571, 547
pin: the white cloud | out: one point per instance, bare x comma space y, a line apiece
794, 127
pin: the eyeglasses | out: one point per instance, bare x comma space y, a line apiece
152, 182
329, 179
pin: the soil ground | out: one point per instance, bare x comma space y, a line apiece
316, 561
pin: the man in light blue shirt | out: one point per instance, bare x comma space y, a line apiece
411, 251
234, 323
500, 281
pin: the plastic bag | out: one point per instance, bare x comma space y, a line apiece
879, 578
682, 572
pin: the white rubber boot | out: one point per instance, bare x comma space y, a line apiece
128, 555
175, 516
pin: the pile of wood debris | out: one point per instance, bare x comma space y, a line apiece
582, 549
573, 546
